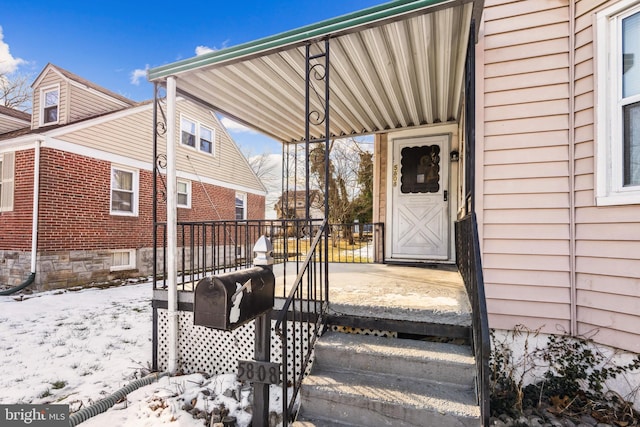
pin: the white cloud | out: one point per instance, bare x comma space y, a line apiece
138, 74
8, 64
201, 50
232, 126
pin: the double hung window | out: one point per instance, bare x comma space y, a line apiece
124, 191
49, 101
197, 136
618, 104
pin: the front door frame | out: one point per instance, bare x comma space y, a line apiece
389, 209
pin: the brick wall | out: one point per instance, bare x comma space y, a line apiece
15, 226
76, 229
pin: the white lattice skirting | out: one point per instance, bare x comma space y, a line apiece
216, 352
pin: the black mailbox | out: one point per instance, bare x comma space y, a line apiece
229, 300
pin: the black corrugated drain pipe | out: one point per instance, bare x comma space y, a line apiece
103, 405
30, 280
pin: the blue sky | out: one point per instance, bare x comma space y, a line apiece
112, 42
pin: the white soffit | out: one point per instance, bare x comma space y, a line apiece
403, 73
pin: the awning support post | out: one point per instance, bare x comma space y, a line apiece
172, 227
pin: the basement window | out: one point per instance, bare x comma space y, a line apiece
123, 260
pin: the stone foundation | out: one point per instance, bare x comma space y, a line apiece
66, 269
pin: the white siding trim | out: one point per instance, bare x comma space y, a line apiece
608, 144
19, 144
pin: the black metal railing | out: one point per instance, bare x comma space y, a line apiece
300, 320
356, 243
213, 247
470, 266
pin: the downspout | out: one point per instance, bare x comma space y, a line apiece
172, 227
36, 204
34, 224
572, 202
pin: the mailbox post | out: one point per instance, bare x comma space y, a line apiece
263, 250
229, 300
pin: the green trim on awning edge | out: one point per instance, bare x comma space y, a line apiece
317, 30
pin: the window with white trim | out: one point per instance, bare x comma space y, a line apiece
184, 194
7, 167
241, 206
618, 104
124, 191
49, 105
123, 260
188, 132
206, 140
197, 136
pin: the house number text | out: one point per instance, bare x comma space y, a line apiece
258, 372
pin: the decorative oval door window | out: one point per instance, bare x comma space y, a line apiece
420, 169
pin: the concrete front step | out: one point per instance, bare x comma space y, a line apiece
400, 357
360, 399
362, 380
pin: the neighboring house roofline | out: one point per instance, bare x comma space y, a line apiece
60, 129
26, 137
25, 142
14, 114
235, 145
83, 83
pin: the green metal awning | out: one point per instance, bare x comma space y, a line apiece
392, 66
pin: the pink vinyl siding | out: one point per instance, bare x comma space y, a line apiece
537, 95
526, 233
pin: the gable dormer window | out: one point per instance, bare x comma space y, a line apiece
50, 101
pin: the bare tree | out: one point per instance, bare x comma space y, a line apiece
15, 91
350, 181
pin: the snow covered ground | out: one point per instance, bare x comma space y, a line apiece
77, 347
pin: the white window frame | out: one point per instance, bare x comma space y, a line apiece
609, 117
212, 142
122, 267
198, 135
7, 180
135, 191
43, 94
242, 196
195, 131
188, 193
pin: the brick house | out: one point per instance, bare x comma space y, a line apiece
76, 182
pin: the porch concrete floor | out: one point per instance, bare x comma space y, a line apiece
420, 294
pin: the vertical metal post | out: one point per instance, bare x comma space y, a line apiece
262, 354
307, 127
326, 169
470, 125
263, 250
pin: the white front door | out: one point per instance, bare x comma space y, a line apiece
419, 198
